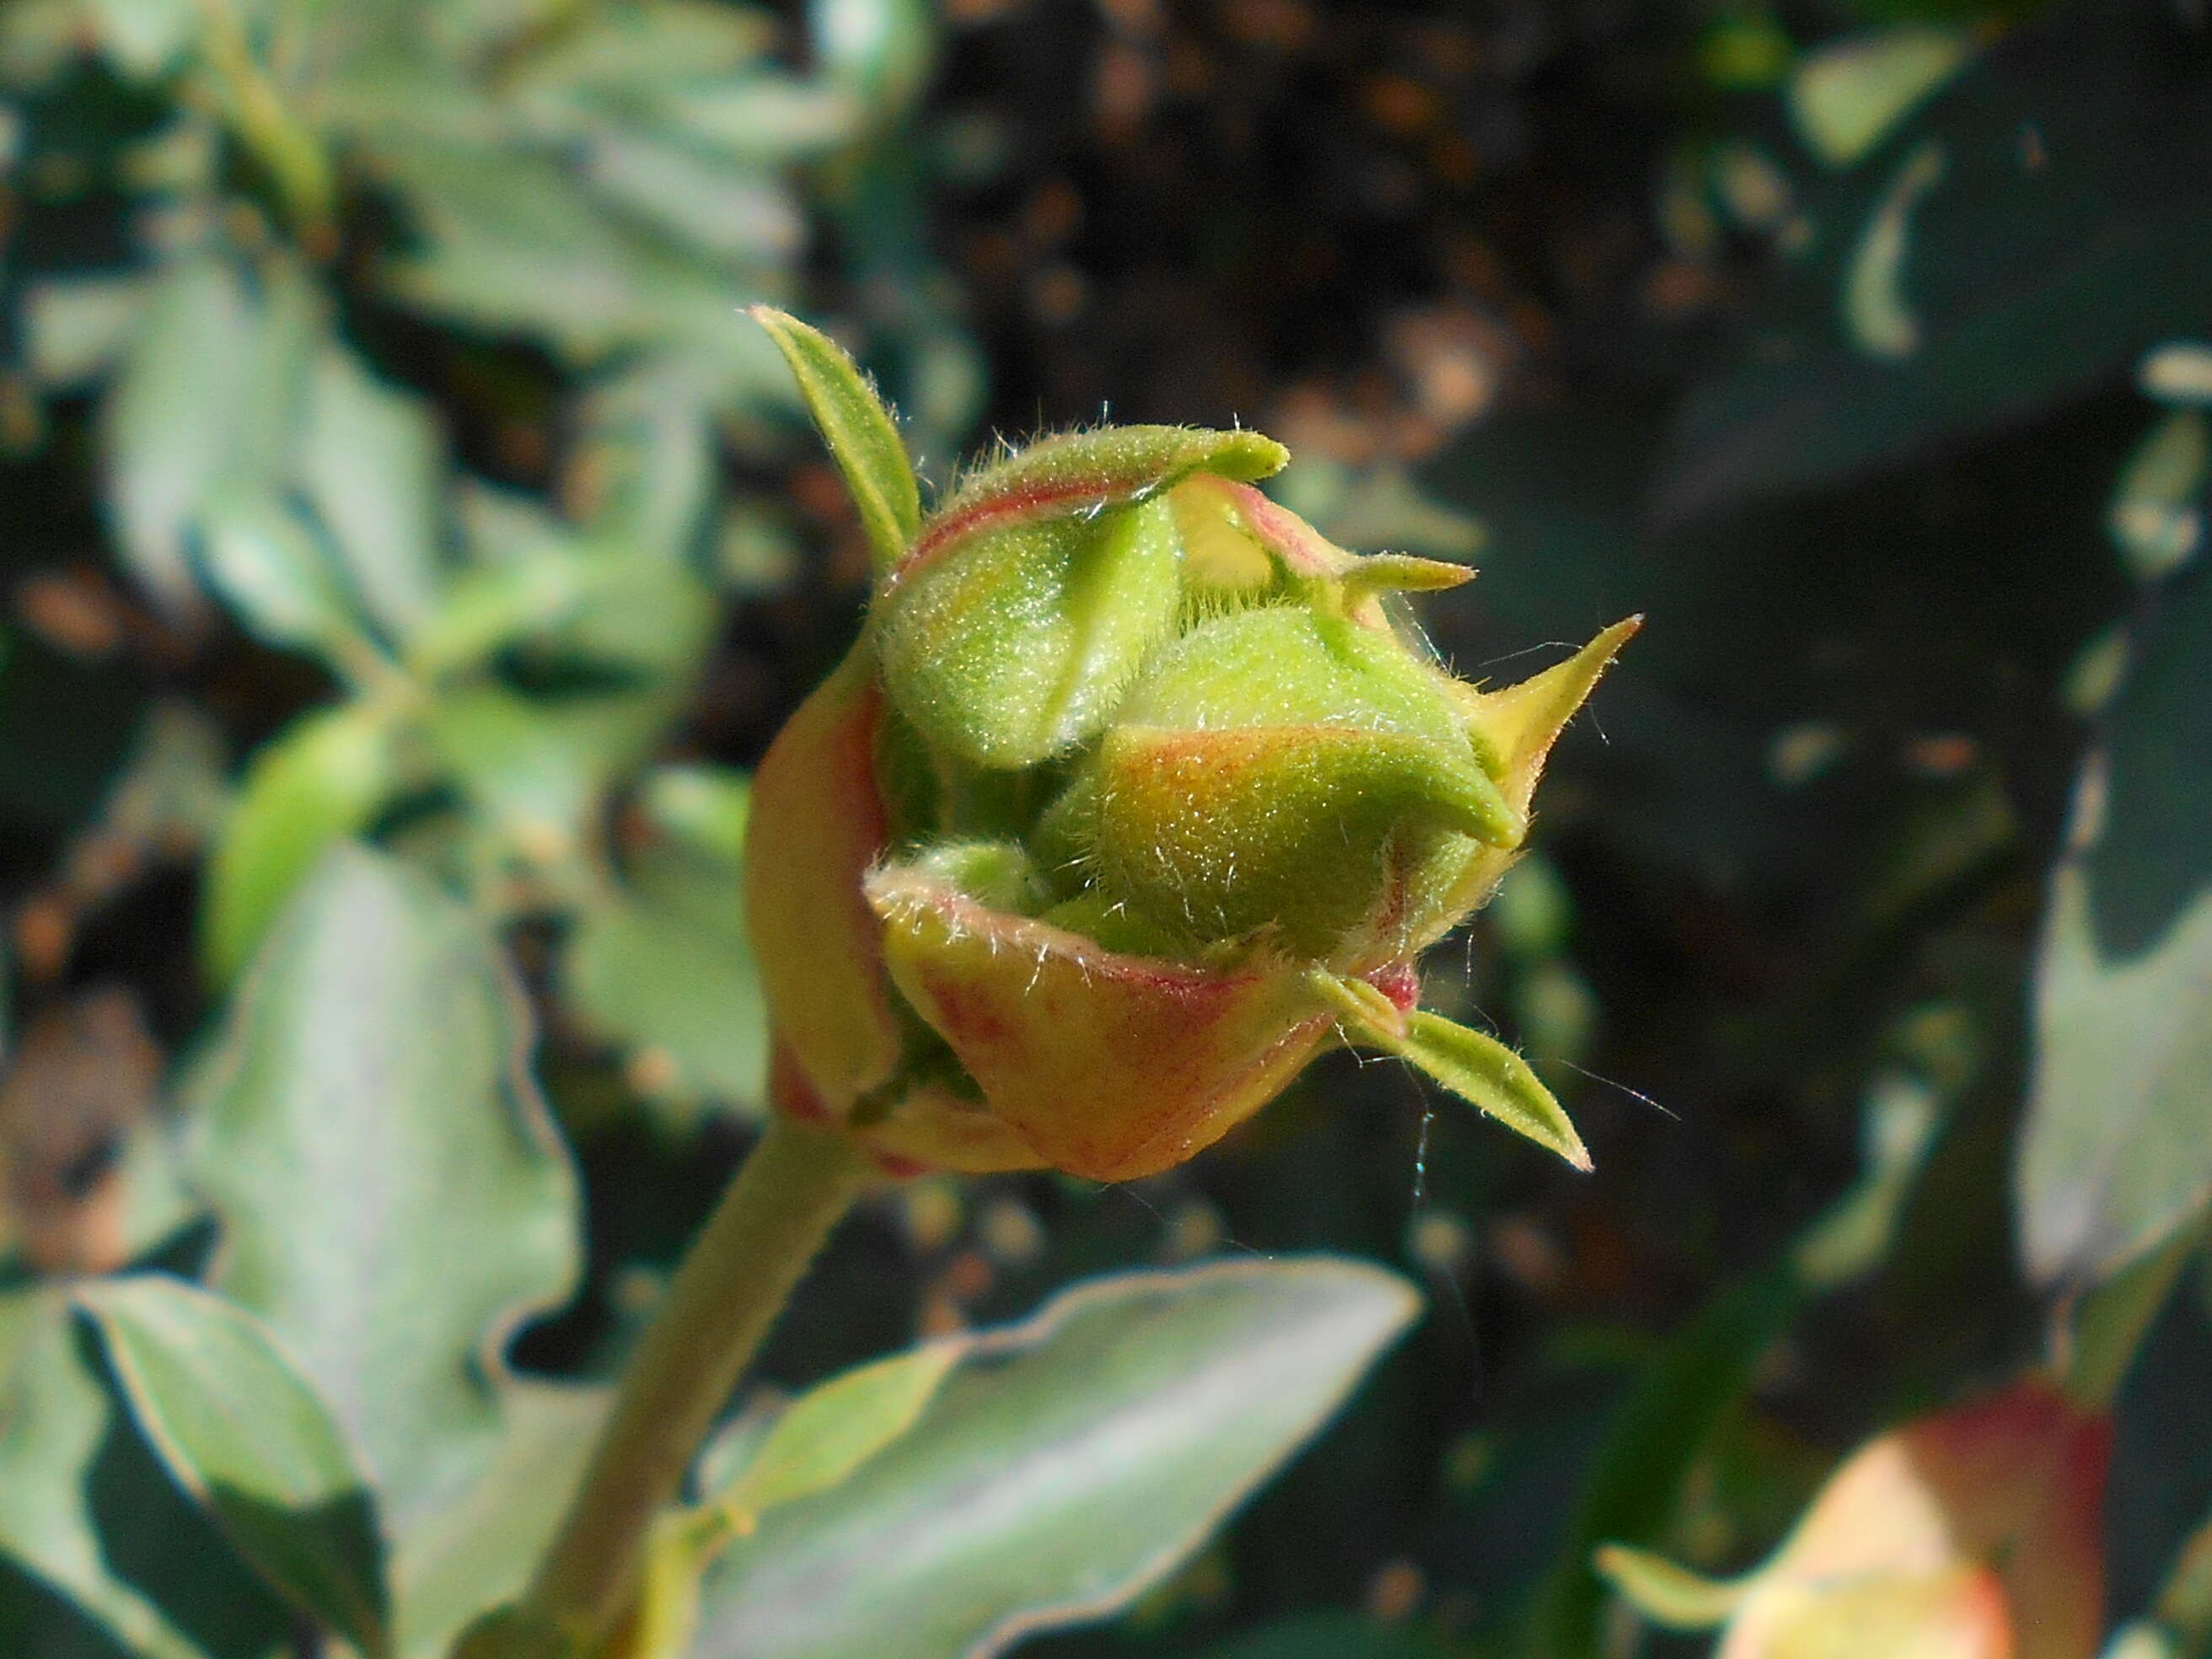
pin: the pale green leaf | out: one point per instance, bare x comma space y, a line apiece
2116, 1154
321, 780
1666, 1593
1064, 1465
143, 38
663, 967
270, 570
241, 1429
1878, 311
831, 1430
372, 465
74, 327
858, 429
393, 1199
101, 1553
476, 1550
1847, 96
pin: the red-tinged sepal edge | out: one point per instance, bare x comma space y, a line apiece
1975, 1532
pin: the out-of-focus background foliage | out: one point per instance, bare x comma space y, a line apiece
383, 455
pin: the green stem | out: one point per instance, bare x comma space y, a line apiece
793, 1189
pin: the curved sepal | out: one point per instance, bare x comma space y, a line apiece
1109, 1066
816, 826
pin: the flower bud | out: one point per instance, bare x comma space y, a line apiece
1973, 1534
1135, 794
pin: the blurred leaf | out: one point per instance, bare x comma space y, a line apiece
242, 1432
2117, 1148
75, 327
665, 968
101, 1555
476, 1549
320, 781
705, 807
268, 568
721, 212
647, 453
371, 465
207, 401
2157, 514
1065, 1464
540, 766
765, 119
393, 1197
1849, 94
143, 38
858, 427
2060, 244
1676, 1402
881, 48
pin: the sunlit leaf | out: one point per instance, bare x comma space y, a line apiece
319, 782
392, 1198
1849, 95
242, 1432
370, 461
858, 427
2117, 1148
1064, 1465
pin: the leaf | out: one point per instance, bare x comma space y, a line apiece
2117, 1151
319, 782
538, 766
241, 1431
143, 38
858, 429
821, 1439
370, 462
831, 1430
267, 566
100, 1555
1847, 96
1666, 1593
392, 1198
476, 1549
664, 967
2040, 264
1065, 1464
205, 344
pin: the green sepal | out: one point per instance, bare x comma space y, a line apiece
858, 427
1480, 1070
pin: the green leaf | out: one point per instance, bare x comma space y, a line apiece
2035, 269
1666, 1593
476, 1551
831, 1430
372, 465
663, 966
1677, 1401
540, 766
318, 782
100, 1555
1064, 1465
1847, 96
207, 401
858, 429
269, 568
393, 1200
2117, 1151
241, 1431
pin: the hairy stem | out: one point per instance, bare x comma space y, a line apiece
799, 1181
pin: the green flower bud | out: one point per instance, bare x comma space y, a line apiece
1135, 794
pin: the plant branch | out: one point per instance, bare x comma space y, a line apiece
792, 1190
